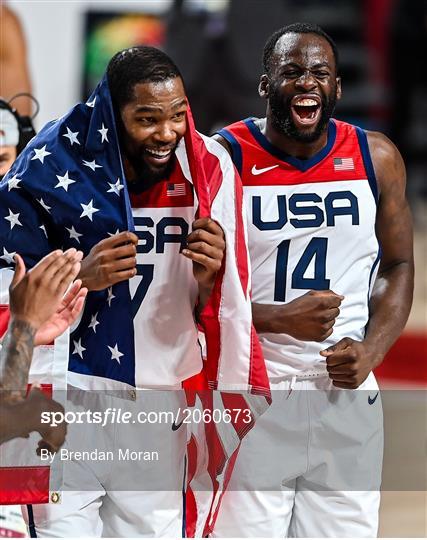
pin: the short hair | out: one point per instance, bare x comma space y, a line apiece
296, 28
136, 65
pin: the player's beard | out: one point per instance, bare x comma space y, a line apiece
145, 176
150, 175
281, 115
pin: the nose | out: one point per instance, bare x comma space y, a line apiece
306, 80
165, 134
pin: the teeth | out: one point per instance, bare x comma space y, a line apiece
307, 102
158, 153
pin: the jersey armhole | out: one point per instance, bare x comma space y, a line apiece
236, 151
367, 161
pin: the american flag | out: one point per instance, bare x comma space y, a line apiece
67, 189
343, 164
175, 190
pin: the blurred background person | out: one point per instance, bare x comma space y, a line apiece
16, 131
15, 77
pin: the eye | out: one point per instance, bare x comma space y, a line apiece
321, 74
146, 120
291, 74
179, 115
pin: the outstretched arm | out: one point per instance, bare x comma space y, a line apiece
350, 362
34, 297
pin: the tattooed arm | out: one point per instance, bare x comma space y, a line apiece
35, 297
15, 360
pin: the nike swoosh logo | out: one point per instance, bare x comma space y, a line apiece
371, 401
177, 426
256, 171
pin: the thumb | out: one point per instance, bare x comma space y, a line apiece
339, 346
19, 270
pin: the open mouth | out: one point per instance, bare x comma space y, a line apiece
306, 110
157, 156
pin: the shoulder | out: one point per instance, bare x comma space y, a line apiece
223, 142
13, 33
387, 161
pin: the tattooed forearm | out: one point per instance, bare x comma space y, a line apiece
15, 360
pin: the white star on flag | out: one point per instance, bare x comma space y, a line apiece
40, 154
115, 353
115, 188
13, 218
94, 322
92, 165
91, 103
73, 233
64, 181
43, 228
13, 183
45, 206
78, 348
113, 233
103, 131
8, 257
88, 210
110, 296
72, 136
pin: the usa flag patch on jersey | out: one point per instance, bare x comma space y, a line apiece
343, 164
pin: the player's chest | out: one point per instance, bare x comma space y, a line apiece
333, 208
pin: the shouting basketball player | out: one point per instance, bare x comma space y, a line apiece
330, 240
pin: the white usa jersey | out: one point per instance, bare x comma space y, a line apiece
164, 291
311, 226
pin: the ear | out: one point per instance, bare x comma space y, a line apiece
339, 90
264, 87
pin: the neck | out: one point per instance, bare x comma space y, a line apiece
292, 147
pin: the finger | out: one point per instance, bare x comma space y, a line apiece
78, 305
19, 272
339, 370
207, 224
344, 385
125, 237
338, 358
42, 266
330, 316
339, 346
121, 252
123, 264
213, 265
325, 335
60, 275
68, 278
123, 275
59, 264
76, 255
71, 295
206, 249
201, 235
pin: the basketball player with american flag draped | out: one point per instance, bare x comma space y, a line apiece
156, 210
330, 241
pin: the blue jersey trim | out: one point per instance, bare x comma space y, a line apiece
236, 151
184, 503
302, 165
377, 260
367, 161
31, 524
